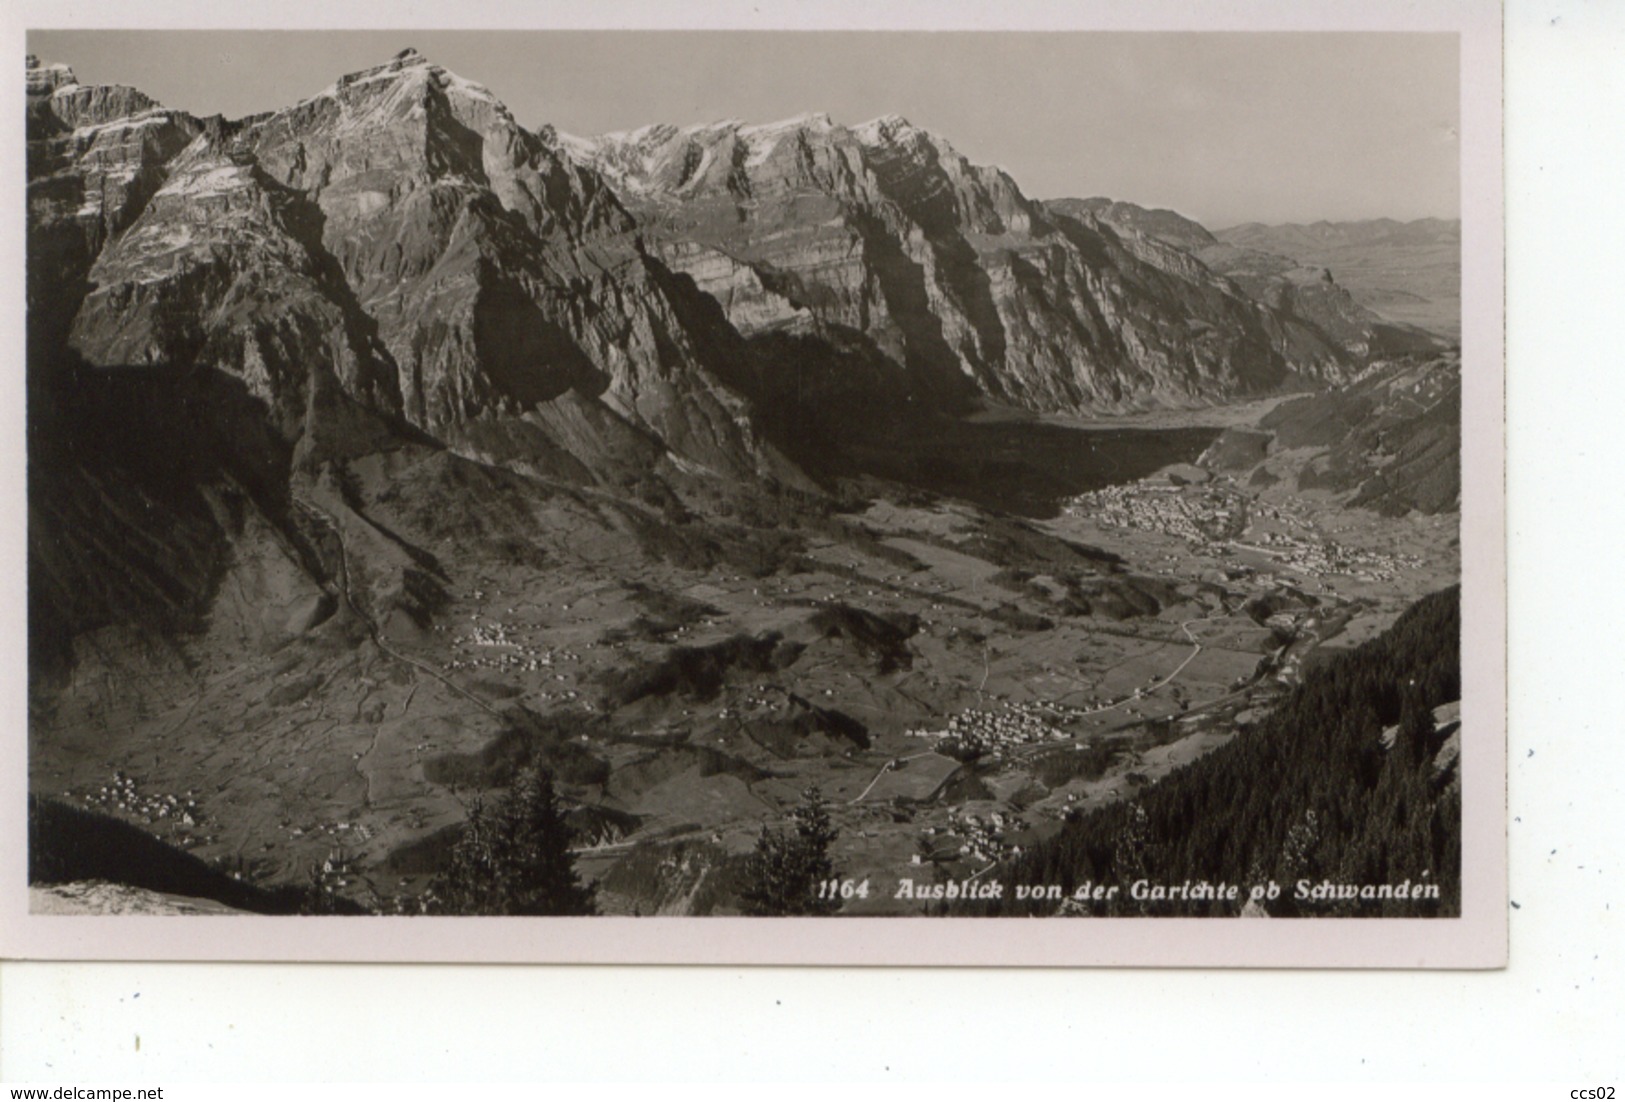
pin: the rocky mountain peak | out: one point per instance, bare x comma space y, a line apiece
43, 78
407, 61
886, 128
893, 139
95, 156
810, 120
57, 99
433, 260
377, 134
404, 79
730, 157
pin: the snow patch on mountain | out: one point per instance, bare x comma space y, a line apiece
90, 131
208, 179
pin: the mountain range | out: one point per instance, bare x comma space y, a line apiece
396, 263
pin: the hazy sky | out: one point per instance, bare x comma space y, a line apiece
1224, 127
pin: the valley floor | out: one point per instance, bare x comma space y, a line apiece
954, 682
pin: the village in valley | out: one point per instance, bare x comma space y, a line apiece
989, 715
1216, 519
953, 711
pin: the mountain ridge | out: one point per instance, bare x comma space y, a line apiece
567, 190
438, 220
395, 265
892, 223
1255, 258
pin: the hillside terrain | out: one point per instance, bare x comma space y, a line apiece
381, 447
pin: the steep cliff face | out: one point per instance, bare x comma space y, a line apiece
224, 314
225, 267
957, 278
393, 250
95, 156
219, 311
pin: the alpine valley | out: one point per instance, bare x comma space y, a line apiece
381, 447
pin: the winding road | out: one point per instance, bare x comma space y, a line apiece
884, 769
332, 524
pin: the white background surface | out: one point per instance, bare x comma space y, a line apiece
1554, 1015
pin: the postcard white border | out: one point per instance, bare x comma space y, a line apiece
1478, 939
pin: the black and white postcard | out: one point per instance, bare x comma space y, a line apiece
821, 493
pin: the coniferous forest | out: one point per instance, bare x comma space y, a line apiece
1313, 793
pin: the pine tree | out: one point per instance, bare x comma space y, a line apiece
1414, 740
514, 858
1132, 855
1298, 860
788, 865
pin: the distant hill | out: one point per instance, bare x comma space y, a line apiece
1283, 280
1374, 231
1405, 271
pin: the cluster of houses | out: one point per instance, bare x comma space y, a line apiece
1026, 723
769, 697
1038, 709
980, 838
1200, 517
1322, 557
1213, 518
124, 796
981, 730
514, 654
1286, 513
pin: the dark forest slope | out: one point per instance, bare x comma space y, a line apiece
1312, 793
